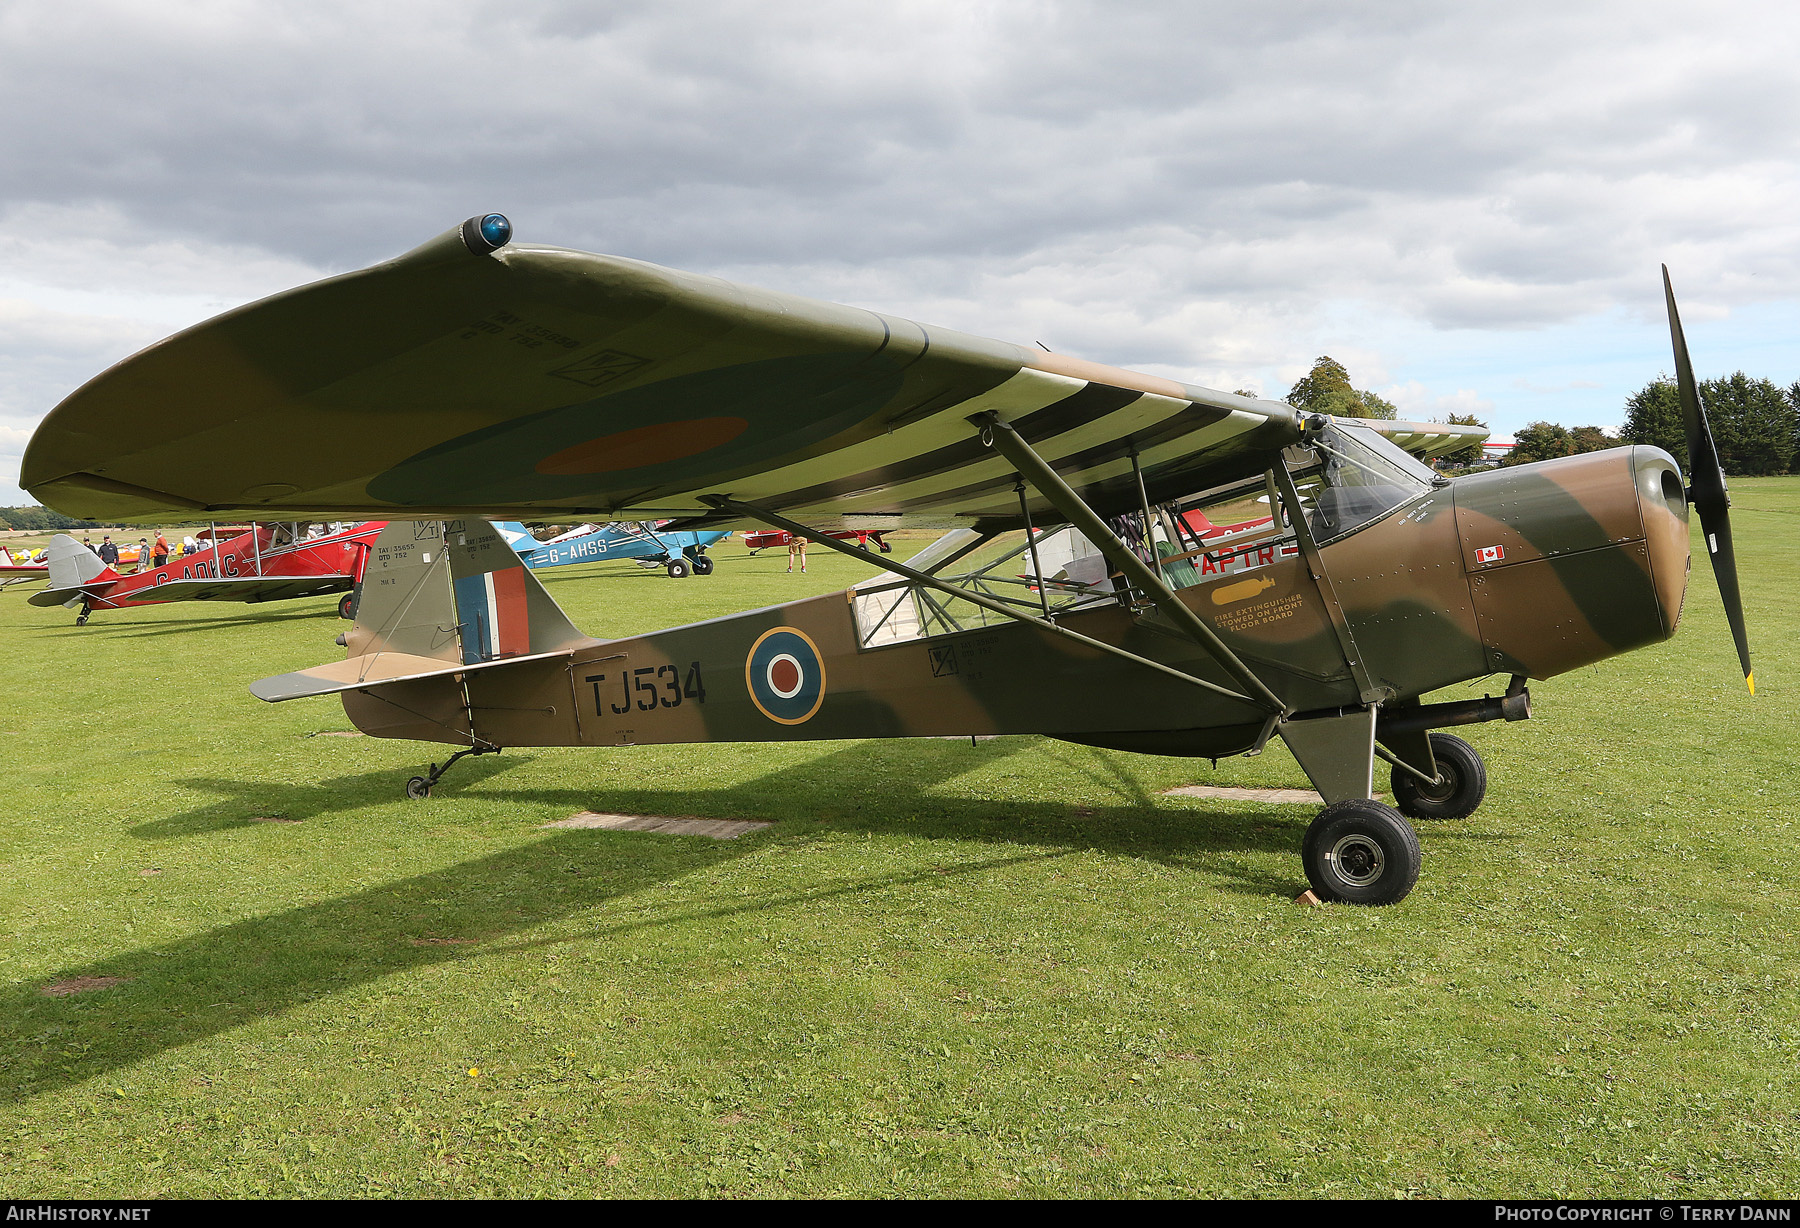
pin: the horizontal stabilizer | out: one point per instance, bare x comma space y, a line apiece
375, 669
65, 596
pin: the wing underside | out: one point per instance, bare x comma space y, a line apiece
541, 383
251, 589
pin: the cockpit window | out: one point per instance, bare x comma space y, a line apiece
1348, 475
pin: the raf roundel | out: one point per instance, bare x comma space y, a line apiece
786, 676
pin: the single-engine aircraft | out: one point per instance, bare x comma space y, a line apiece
774, 539
648, 544
268, 562
474, 378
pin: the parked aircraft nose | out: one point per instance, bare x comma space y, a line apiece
1662, 501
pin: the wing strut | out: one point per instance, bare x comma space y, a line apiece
725, 503
1088, 523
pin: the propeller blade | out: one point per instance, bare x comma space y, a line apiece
1706, 486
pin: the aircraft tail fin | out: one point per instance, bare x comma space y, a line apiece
73, 565
438, 598
405, 605
518, 537
501, 608
454, 590
75, 571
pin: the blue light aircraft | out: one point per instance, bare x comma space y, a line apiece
645, 542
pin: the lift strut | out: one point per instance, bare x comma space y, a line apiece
725, 503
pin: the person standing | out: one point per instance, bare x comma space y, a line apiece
109, 553
143, 563
159, 553
797, 550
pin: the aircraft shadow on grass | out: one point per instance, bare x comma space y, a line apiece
139, 628
199, 986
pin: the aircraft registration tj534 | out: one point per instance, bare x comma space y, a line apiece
1128, 562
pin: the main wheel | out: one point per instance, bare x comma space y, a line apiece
702, 565
1361, 852
347, 607
418, 788
678, 569
1462, 782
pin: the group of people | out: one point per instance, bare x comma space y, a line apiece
149, 554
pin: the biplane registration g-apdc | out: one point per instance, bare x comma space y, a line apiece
1127, 561
266, 562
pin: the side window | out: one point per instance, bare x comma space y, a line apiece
1059, 570
1218, 532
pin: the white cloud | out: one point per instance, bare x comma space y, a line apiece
1212, 190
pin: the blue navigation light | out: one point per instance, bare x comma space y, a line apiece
487, 233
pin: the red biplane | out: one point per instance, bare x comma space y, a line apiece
269, 562
19, 571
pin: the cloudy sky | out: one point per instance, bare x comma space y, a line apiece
1466, 203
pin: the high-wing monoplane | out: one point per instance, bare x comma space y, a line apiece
1330, 583
268, 562
649, 544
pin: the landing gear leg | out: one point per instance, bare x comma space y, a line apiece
1460, 785
419, 787
1359, 850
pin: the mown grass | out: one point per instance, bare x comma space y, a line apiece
1012, 968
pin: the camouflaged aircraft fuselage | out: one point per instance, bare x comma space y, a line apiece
1533, 570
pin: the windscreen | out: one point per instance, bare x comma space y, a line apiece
1349, 475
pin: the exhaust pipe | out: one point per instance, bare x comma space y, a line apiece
1515, 705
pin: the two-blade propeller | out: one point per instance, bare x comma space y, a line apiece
1706, 486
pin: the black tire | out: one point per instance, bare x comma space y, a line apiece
678, 569
1361, 852
347, 606
1464, 782
418, 788
81, 619
702, 565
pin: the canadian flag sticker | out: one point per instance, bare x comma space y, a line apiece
1490, 554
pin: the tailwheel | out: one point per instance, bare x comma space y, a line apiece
1461, 783
1361, 852
419, 787
81, 619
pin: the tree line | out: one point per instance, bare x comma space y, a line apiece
1755, 422
1755, 426
41, 518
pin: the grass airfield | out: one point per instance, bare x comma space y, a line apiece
1006, 969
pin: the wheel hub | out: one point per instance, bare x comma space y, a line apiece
1440, 789
1359, 860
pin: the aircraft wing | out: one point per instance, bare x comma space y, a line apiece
244, 588
542, 383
